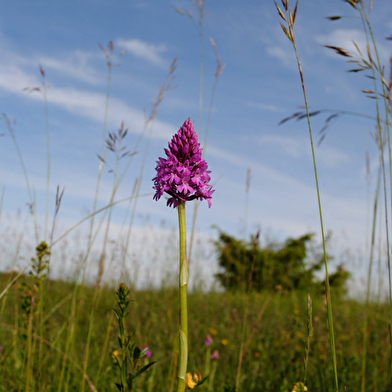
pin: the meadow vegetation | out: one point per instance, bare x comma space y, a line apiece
271, 342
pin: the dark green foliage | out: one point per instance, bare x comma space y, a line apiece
245, 265
128, 354
287, 266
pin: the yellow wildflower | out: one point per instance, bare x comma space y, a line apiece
191, 382
299, 387
224, 342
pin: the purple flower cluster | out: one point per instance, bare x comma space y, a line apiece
183, 175
208, 340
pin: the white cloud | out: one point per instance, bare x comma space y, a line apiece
144, 50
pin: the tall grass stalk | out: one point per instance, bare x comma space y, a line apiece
48, 159
104, 349
309, 336
86, 353
243, 337
32, 201
377, 70
369, 274
289, 20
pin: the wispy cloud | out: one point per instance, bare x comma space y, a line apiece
286, 145
14, 79
274, 193
331, 157
265, 106
282, 54
76, 65
298, 147
144, 50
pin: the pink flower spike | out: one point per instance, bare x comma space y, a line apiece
183, 175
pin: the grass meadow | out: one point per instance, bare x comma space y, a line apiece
83, 334
270, 341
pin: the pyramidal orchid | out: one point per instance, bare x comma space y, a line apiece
184, 176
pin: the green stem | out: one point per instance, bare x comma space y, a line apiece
372, 245
290, 35
104, 349
327, 289
29, 349
309, 337
48, 158
183, 284
240, 357
89, 337
123, 352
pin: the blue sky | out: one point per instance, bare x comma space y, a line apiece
259, 86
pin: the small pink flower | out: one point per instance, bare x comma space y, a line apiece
148, 352
208, 340
215, 355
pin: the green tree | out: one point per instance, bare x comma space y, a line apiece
287, 266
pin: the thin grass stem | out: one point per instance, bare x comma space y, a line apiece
48, 158
369, 274
290, 19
